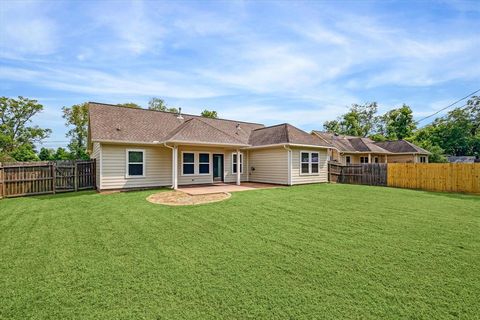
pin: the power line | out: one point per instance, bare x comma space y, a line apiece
437, 112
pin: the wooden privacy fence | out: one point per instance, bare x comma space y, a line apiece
373, 174
444, 177
33, 178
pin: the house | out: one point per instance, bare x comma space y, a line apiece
462, 159
352, 150
138, 148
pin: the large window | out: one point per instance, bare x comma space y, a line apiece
135, 163
363, 159
234, 162
204, 163
188, 163
309, 162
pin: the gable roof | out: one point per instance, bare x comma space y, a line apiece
131, 125
346, 143
284, 134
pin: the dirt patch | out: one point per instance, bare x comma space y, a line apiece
178, 198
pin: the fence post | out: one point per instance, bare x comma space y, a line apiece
2, 180
54, 176
75, 174
93, 169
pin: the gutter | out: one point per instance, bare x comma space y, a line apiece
289, 163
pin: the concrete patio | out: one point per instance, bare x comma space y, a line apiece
225, 187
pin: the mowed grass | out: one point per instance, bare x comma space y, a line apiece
317, 251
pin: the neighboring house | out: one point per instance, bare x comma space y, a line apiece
137, 148
353, 150
462, 159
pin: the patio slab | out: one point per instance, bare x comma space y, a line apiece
225, 187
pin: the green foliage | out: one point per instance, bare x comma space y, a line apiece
397, 124
76, 117
331, 251
160, 105
62, 154
46, 154
359, 121
130, 105
16, 136
457, 133
25, 152
209, 114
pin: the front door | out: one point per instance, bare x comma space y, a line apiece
218, 167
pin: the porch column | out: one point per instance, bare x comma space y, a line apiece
175, 168
369, 158
386, 158
238, 167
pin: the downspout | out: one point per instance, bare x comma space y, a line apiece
174, 166
289, 162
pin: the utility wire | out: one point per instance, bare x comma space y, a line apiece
450, 105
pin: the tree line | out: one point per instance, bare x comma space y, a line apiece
457, 133
18, 138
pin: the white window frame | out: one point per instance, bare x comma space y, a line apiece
127, 162
210, 163
422, 157
194, 163
349, 159
364, 158
310, 173
241, 162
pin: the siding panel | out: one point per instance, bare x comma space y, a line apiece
322, 175
271, 166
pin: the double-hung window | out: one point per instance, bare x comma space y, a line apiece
135, 163
234, 162
363, 159
188, 163
309, 162
204, 163
423, 159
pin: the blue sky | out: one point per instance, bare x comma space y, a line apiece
268, 62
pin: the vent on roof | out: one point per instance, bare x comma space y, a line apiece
179, 115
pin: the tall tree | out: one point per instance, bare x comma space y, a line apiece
160, 105
209, 114
360, 120
76, 118
46, 154
397, 123
17, 138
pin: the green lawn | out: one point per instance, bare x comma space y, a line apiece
317, 251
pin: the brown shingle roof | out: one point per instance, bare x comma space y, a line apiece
357, 144
284, 133
401, 146
116, 123
121, 124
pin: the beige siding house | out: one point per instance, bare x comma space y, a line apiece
137, 148
355, 150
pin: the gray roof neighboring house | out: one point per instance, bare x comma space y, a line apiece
353, 144
111, 123
461, 159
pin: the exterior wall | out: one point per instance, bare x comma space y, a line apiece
355, 158
402, 158
158, 167
321, 176
271, 165
97, 154
229, 176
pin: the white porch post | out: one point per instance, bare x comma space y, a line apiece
386, 160
369, 158
175, 168
238, 167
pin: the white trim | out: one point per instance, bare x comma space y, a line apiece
182, 163
127, 162
310, 162
242, 157
289, 165
210, 164
349, 159
101, 167
196, 164
290, 145
188, 143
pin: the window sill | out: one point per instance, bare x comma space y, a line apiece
134, 177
